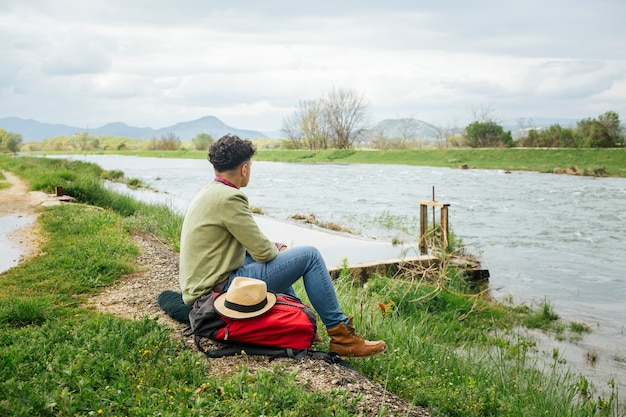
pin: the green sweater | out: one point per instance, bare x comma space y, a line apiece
217, 231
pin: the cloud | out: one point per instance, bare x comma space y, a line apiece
158, 62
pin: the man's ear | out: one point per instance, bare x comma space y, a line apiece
244, 169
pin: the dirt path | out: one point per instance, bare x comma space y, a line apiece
134, 296
17, 201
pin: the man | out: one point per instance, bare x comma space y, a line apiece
220, 240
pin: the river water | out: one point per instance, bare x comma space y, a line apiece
541, 236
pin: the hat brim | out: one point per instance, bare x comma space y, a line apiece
234, 314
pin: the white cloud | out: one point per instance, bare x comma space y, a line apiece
159, 62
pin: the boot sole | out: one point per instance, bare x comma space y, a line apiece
350, 356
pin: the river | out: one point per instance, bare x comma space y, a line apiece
542, 236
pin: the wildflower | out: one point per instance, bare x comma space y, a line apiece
386, 308
100, 411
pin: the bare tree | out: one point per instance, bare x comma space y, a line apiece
378, 139
448, 135
338, 119
168, 142
313, 125
485, 113
408, 133
306, 127
524, 126
441, 137
345, 114
291, 130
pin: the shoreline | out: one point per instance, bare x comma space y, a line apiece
597, 385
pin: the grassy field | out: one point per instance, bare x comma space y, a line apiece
590, 161
452, 351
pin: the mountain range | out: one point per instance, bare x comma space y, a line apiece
34, 131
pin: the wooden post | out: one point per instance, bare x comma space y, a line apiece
444, 226
59, 191
423, 243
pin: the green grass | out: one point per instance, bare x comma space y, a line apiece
461, 355
589, 161
83, 181
453, 352
611, 161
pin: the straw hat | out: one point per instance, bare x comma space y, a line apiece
245, 298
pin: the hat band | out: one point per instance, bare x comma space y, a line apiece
245, 309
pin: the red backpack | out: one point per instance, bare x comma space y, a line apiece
288, 326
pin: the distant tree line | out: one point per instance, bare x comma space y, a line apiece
83, 141
338, 120
167, 142
605, 131
9, 141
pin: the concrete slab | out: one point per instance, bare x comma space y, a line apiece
334, 246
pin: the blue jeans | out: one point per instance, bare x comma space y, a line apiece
286, 268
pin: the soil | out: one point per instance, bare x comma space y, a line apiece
134, 297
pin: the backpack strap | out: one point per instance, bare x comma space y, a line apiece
273, 353
328, 357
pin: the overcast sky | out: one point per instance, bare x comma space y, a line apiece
157, 62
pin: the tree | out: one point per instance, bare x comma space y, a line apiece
487, 134
167, 142
202, 141
378, 139
314, 127
306, 127
447, 136
85, 142
336, 120
407, 133
9, 141
603, 132
532, 139
345, 113
553, 137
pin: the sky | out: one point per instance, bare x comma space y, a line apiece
153, 63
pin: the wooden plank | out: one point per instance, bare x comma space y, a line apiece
367, 270
432, 203
474, 274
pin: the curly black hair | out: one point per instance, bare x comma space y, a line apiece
230, 151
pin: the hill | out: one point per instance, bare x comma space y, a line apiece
407, 129
35, 131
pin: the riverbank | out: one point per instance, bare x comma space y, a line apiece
584, 161
134, 297
443, 344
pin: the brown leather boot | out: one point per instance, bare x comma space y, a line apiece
345, 341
